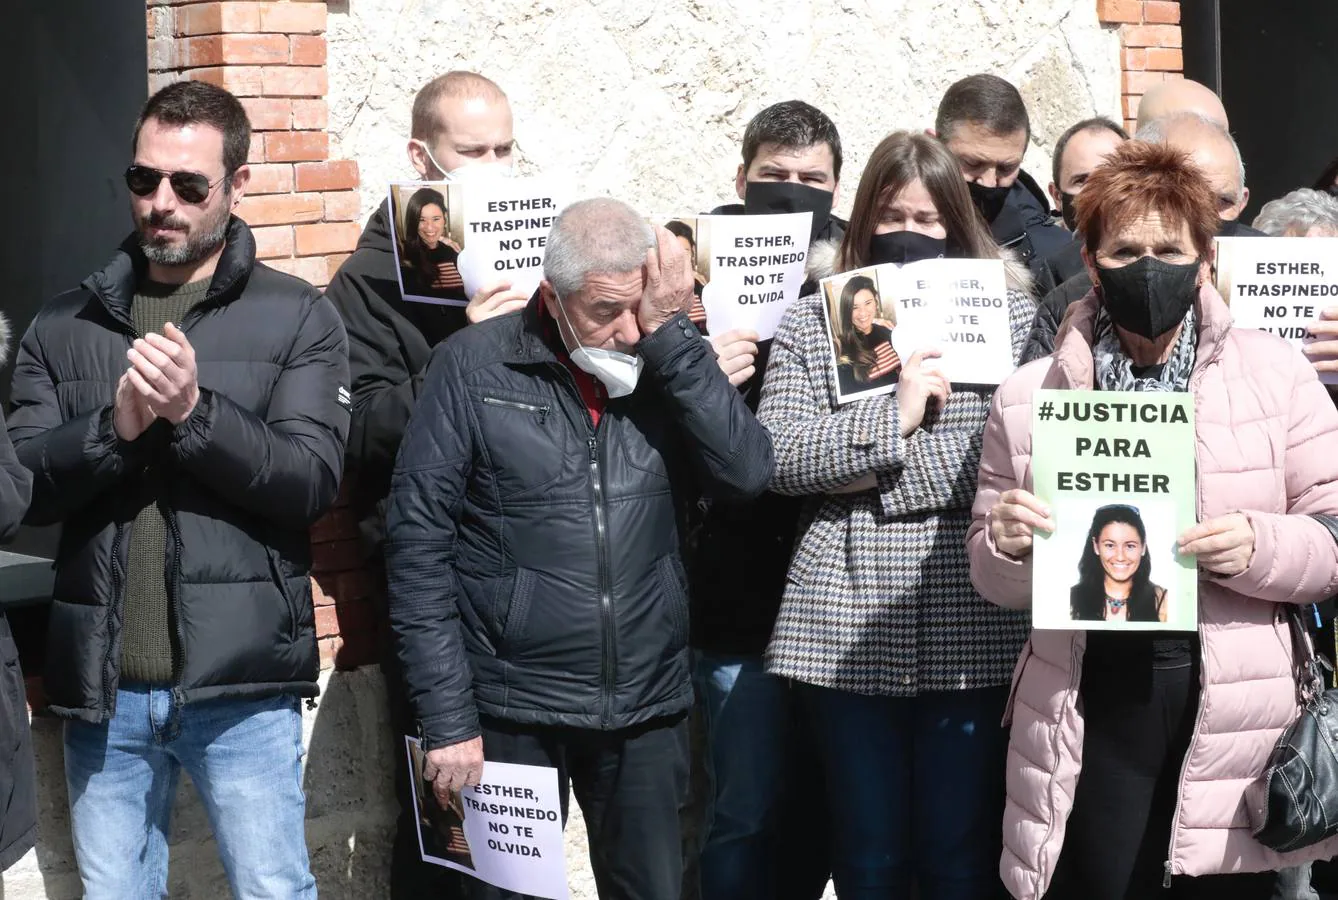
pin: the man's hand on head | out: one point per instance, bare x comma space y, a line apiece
668, 283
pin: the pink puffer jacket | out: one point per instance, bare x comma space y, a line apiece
1267, 445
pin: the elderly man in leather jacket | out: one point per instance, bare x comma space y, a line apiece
536, 588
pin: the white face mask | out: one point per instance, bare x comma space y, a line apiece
469, 171
618, 372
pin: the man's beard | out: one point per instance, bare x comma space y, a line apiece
207, 237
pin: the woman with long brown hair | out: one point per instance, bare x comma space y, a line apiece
902, 665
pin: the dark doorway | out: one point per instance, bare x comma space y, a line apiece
75, 76
1275, 65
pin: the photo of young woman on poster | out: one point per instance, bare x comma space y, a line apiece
862, 331
428, 254
687, 237
1115, 571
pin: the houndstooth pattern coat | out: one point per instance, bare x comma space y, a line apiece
879, 597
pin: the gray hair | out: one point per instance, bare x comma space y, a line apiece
593, 236
1301, 210
1156, 131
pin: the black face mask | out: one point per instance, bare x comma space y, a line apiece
1148, 297
1068, 211
762, 197
903, 247
1230, 228
989, 200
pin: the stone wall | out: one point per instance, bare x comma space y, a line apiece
648, 99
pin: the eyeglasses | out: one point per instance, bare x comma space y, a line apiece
190, 187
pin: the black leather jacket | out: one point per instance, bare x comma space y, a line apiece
534, 560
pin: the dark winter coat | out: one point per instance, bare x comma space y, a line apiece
1026, 226
239, 481
535, 560
389, 342
734, 606
18, 788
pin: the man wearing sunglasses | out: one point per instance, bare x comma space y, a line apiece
184, 413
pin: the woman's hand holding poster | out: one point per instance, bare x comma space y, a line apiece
1117, 471
880, 315
453, 240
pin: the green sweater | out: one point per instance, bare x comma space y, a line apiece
148, 638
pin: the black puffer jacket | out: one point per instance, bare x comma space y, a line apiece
240, 480
534, 561
389, 342
18, 788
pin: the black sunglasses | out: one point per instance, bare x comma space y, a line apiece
191, 187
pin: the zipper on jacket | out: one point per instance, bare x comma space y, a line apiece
608, 661
1195, 379
174, 602
118, 601
540, 411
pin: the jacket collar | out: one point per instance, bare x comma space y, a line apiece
536, 341
114, 285
1073, 345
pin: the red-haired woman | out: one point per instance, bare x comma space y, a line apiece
1166, 730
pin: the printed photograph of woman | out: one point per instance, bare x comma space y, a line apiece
1115, 571
862, 333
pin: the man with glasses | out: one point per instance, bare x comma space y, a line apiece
183, 413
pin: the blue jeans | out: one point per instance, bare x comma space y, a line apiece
915, 791
244, 757
753, 742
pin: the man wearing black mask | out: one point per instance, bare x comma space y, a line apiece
738, 558
984, 122
791, 163
1214, 151
1078, 151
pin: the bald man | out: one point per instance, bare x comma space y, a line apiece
460, 126
1181, 96
1213, 150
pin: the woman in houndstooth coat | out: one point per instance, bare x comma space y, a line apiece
902, 666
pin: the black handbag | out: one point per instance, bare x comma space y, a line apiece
1294, 804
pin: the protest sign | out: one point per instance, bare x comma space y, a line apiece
1279, 285
451, 240
748, 269
507, 831
879, 316
1117, 471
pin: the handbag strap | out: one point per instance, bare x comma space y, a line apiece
1309, 681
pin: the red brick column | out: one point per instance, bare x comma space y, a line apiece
302, 207
301, 204
1149, 46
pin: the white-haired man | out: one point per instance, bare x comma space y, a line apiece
536, 589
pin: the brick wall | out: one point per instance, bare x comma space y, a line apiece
301, 204
302, 207
1150, 46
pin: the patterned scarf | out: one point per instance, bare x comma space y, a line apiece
1114, 370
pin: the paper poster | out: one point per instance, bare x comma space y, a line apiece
748, 269
1279, 285
507, 831
1117, 471
451, 240
879, 316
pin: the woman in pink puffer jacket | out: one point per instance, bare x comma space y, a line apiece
1130, 753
